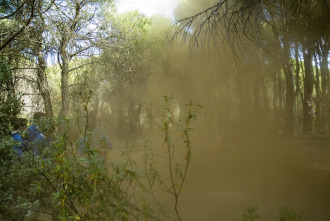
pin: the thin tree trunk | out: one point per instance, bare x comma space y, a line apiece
150, 116
324, 118
289, 102
133, 111
265, 100
308, 90
120, 112
256, 95
297, 86
66, 36
264, 94
297, 70
244, 102
280, 94
43, 85
275, 89
318, 96
41, 73
64, 64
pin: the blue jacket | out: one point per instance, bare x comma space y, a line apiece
19, 147
36, 139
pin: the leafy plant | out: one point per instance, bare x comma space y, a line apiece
10, 106
288, 214
177, 169
250, 214
70, 186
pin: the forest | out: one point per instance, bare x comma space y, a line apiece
220, 114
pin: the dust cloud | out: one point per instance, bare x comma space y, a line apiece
239, 157
226, 177
237, 163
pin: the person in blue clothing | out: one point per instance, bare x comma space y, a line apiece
93, 136
36, 139
19, 127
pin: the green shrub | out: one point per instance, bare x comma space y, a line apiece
81, 187
288, 214
250, 214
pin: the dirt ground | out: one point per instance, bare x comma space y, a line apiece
226, 177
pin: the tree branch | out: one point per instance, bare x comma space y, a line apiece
10, 39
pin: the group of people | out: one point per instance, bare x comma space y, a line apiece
31, 139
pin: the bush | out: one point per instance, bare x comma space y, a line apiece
250, 214
72, 187
10, 106
288, 214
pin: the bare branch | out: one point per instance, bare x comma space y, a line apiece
13, 13
23, 68
83, 65
233, 21
81, 50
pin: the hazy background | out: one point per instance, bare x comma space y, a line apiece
240, 156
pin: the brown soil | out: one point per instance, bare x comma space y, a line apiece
224, 178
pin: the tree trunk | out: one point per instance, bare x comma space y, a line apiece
318, 96
132, 121
133, 111
280, 93
265, 98
264, 123
324, 118
64, 64
275, 89
119, 112
244, 101
289, 102
308, 90
67, 34
297, 71
150, 116
297, 87
39, 51
256, 95
42, 82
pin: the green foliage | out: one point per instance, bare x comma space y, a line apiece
288, 214
250, 214
10, 106
72, 186
177, 169
21, 191
138, 182
4, 6
9, 163
127, 67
